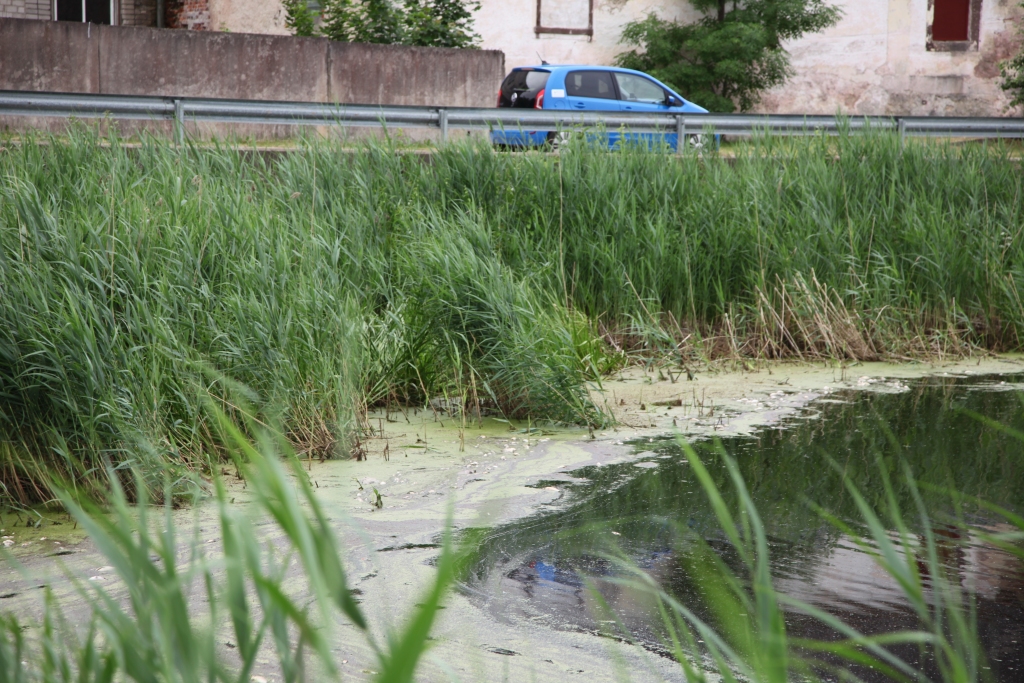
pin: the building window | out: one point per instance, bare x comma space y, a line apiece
567, 17
953, 25
95, 11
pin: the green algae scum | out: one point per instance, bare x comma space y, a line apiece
172, 318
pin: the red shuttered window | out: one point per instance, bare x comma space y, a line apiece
952, 20
954, 25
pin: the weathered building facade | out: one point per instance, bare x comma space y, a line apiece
925, 57
910, 57
239, 16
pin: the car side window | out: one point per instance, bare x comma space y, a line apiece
590, 84
640, 89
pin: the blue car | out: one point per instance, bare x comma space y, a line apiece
588, 88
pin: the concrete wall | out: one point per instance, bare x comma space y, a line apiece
49, 56
202, 64
71, 57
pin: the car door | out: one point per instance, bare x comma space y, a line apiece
593, 90
641, 94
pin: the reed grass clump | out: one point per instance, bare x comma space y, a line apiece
137, 280
851, 247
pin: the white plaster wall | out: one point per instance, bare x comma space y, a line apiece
248, 16
507, 25
875, 62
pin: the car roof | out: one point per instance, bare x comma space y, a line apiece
553, 67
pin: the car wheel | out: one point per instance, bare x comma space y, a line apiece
558, 140
695, 142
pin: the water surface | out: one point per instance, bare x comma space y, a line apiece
534, 570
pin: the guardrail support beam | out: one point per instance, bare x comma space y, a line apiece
179, 122
442, 122
680, 134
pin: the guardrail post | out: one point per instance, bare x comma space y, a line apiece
442, 121
179, 122
680, 134
901, 126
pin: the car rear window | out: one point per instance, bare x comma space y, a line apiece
590, 84
524, 84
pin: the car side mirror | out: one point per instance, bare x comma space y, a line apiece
673, 101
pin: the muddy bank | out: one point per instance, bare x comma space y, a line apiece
424, 464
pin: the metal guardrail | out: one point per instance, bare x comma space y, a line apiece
186, 109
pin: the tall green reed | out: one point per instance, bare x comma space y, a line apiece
331, 280
126, 271
845, 247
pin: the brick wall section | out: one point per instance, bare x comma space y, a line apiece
137, 12
191, 14
25, 9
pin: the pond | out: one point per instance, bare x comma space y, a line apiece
536, 571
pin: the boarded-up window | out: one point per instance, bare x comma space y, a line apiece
954, 24
571, 17
951, 20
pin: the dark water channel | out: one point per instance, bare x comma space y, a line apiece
533, 571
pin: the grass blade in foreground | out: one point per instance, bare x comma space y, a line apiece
746, 636
164, 633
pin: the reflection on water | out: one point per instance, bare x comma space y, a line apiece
535, 570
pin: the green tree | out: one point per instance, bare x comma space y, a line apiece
429, 23
300, 18
1012, 71
362, 21
440, 23
732, 55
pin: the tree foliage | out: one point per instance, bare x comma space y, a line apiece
362, 21
299, 18
440, 23
1012, 71
430, 23
732, 55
